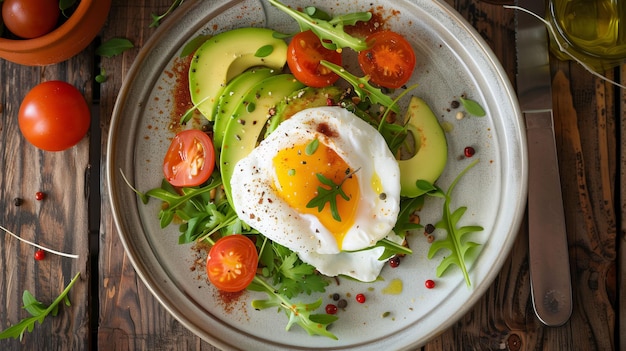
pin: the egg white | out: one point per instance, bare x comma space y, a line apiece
256, 202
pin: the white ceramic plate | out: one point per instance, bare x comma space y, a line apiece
452, 61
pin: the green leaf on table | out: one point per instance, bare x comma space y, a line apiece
38, 312
102, 76
113, 47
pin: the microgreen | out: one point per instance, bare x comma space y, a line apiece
156, 19
264, 51
362, 87
472, 107
454, 241
330, 31
312, 147
102, 76
113, 47
329, 195
38, 312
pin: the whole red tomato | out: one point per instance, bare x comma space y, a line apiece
30, 18
54, 116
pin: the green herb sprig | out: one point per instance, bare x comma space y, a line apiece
454, 241
330, 31
329, 195
38, 312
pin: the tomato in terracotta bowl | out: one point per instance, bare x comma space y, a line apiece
73, 35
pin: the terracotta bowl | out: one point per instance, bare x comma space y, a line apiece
67, 40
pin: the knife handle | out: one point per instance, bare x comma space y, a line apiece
548, 250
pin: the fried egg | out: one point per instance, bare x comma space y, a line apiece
284, 189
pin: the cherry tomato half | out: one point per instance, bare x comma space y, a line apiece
304, 54
232, 263
389, 61
54, 116
30, 18
190, 159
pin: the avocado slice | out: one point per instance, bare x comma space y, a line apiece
302, 99
226, 55
234, 92
249, 120
431, 148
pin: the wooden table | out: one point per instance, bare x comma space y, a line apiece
112, 310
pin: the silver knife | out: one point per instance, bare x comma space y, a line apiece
548, 250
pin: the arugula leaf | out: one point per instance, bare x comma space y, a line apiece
330, 32
38, 311
362, 87
325, 196
454, 241
114, 46
298, 313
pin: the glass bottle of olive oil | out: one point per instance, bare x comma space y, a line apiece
594, 31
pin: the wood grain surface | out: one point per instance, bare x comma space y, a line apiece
113, 310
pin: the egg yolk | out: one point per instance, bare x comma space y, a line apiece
296, 171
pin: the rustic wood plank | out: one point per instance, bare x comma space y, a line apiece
591, 223
130, 317
58, 222
621, 240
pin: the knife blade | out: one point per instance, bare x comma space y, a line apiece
548, 252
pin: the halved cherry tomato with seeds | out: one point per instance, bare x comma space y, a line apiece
304, 54
190, 159
389, 61
232, 262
